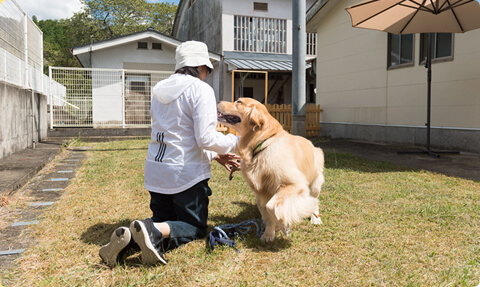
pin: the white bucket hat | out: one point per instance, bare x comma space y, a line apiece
192, 54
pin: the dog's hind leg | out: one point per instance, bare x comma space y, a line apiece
315, 217
315, 188
291, 204
316, 184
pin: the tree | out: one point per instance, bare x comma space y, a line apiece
56, 44
113, 18
101, 20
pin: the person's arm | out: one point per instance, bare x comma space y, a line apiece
205, 124
228, 160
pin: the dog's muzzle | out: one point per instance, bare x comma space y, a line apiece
231, 119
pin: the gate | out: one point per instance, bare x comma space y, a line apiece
101, 98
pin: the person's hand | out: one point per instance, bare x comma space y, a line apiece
228, 160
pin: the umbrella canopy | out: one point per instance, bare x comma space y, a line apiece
411, 16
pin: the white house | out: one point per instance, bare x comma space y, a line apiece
255, 39
372, 86
125, 70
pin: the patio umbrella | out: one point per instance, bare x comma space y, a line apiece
422, 16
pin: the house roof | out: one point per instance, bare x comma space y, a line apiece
120, 40
317, 11
259, 61
150, 33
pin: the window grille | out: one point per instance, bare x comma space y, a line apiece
311, 44
262, 35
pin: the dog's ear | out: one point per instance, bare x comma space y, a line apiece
256, 119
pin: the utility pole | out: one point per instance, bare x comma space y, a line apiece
298, 67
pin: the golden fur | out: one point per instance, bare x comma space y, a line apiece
284, 171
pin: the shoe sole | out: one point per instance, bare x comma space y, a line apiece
119, 240
140, 235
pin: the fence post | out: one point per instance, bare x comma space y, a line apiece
123, 98
50, 91
6, 66
25, 41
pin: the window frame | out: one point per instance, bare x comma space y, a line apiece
157, 46
260, 6
423, 42
389, 52
142, 48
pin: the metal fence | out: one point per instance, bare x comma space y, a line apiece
21, 49
102, 98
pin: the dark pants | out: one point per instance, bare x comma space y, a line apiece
185, 212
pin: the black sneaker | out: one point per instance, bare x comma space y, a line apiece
150, 240
120, 239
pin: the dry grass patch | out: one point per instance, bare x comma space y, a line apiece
384, 225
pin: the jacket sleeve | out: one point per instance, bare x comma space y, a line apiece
205, 123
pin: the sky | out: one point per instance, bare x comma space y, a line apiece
58, 9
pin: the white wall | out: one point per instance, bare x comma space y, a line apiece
115, 57
354, 85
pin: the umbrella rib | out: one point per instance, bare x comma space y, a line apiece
366, 19
411, 18
419, 6
455, 5
435, 7
363, 3
455, 15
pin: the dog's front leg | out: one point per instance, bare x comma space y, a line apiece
269, 223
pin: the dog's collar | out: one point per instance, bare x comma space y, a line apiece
260, 147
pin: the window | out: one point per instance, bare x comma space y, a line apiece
260, 6
142, 45
256, 34
442, 46
156, 46
311, 44
400, 50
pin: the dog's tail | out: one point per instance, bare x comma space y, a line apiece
293, 208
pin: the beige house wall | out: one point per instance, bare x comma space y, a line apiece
355, 87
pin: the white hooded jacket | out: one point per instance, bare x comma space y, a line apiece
184, 136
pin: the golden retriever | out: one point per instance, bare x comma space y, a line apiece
285, 171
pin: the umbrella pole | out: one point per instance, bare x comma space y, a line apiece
428, 65
429, 87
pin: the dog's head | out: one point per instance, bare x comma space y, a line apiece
243, 115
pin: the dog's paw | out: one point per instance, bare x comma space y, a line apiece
315, 219
267, 237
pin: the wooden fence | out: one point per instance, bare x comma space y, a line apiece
283, 114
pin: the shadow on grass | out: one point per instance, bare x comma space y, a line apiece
107, 149
346, 161
100, 233
251, 241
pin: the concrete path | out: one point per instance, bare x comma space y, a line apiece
38, 178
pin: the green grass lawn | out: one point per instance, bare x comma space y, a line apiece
383, 225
